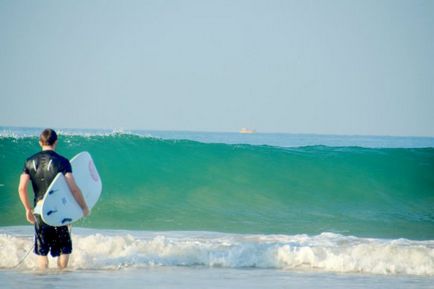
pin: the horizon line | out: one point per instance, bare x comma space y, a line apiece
120, 129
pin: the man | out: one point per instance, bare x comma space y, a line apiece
41, 169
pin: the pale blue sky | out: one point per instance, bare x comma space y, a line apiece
330, 67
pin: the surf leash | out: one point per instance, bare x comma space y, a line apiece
24, 258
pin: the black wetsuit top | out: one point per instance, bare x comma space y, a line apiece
43, 168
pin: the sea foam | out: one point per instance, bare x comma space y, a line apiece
327, 252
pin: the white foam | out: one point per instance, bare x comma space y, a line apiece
7, 133
19, 133
108, 250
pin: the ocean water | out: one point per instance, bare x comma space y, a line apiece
237, 211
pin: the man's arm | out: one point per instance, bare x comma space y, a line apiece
76, 192
22, 190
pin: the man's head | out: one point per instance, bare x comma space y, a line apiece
48, 137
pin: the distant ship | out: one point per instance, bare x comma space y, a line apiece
246, 130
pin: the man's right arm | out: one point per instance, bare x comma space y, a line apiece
24, 197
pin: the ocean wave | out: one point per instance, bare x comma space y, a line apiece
327, 252
158, 184
87, 133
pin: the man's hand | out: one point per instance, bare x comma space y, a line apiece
30, 217
86, 212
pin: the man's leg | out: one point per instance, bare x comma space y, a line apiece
43, 262
64, 246
62, 261
42, 240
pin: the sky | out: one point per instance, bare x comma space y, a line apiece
323, 67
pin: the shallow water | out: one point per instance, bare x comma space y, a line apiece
203, 278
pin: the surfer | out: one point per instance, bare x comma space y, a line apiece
40, 169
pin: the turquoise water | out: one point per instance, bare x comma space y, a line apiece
235, 211
184, 185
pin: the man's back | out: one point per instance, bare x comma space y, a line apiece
43, 168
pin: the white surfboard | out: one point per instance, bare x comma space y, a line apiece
58, 207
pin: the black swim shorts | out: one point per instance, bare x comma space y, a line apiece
55, 240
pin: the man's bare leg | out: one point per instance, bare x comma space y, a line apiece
43, 262
62, 261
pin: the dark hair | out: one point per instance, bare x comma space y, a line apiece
48, 137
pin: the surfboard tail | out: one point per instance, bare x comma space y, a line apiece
37, 210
